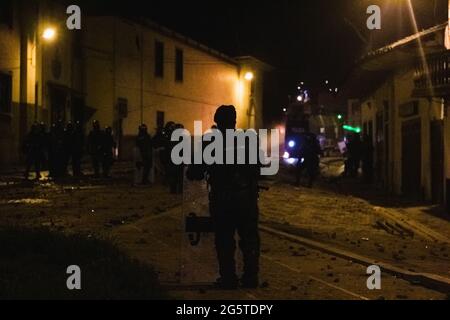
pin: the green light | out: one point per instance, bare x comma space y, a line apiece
340, 116
352, 129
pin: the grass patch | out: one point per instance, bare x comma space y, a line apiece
33, 265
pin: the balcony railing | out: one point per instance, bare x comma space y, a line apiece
436, 80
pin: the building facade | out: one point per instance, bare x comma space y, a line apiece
120, 72
405, 112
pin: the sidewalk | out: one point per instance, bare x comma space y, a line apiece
381, 228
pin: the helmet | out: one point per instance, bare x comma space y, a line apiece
225, 117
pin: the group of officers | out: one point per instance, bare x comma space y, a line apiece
64, 145
233, 188
161, 146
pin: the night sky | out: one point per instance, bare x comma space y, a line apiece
306, 40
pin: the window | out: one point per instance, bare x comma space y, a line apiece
5, 93
179, 65
122, 108
159, 59
6, 13
160, 119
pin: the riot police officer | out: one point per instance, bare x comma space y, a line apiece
95, 147
309, 158
34, 151
108, 147
145, 147
57, 153
77, 149
234, 208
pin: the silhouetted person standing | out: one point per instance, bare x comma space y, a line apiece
68, 146
145, 148
310, 153
108, 146
77, 149
95, 147
353, 155
34, 151
57, 151
234, 208
367, 151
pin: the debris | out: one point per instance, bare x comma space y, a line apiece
365, 239
396, 256
294, 288
264, 285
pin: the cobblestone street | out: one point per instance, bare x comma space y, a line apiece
146, 223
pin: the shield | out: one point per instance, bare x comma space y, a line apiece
198, 257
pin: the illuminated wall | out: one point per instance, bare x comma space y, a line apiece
120, 64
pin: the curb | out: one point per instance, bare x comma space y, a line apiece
431, 281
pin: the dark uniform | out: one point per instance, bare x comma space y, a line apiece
34, 151
95, 147
57, 153
108, 146
175, 172
68, 135
234, 208
353, 155
73, 146
309, 158
367, 151
77, 149
144, 144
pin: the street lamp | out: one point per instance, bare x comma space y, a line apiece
49, 34
249, 76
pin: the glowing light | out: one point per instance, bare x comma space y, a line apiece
249, 76
286, 155
352, 129
291, 144
49, 34
284, 109
299, 98
340, 116
291, 161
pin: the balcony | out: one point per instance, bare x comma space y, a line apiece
434, 82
